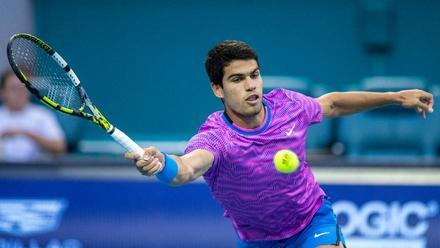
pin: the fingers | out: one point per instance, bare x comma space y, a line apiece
424, 103
422, 113
422, 106
151, 152
420, 100
150, 163
428, 99
149, 168
131, 155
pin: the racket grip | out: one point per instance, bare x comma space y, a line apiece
126, 142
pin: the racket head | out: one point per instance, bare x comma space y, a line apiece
48, 77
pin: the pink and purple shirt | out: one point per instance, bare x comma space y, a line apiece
262, 203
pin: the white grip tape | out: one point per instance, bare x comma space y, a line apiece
126, 142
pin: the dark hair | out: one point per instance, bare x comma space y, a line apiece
223, 54
5, 74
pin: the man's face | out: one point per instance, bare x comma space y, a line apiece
242, 89
14, 95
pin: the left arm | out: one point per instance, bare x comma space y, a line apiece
56, 146
344, 103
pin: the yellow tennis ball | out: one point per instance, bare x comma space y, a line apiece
286, 161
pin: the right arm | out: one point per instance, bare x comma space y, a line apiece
189, 166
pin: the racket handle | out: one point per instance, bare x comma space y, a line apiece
126, 142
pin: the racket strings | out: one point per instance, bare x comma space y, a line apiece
45, 74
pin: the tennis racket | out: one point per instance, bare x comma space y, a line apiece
48, 77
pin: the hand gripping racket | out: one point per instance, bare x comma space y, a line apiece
47, 76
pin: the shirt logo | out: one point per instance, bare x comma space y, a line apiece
26, 217
290, 132
317, 235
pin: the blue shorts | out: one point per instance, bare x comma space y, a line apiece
322, 230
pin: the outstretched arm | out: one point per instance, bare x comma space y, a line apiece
186, 168
344, 103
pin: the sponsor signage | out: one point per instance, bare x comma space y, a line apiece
115, 213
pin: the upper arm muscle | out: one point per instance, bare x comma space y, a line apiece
326, 105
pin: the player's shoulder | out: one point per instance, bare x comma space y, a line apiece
214, 122
212, 132
280, 95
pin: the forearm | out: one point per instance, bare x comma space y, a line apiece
53, 146
345, 103
189, 166
171, 169
186, 172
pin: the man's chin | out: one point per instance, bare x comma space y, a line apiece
255, 110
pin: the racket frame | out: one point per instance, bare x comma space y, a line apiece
96, 116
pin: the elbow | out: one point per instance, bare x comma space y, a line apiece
177, 183
56, 148
60, 147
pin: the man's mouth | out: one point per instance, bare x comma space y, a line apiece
252, 98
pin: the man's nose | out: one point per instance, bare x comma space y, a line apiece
250, 84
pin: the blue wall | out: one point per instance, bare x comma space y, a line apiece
142, 61
78, 213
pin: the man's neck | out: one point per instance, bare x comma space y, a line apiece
247, 122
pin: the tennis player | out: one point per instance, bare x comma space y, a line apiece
234, 150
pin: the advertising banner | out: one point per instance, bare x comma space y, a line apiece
62, 213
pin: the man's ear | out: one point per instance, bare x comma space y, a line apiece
217, 90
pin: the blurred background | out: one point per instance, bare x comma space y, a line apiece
141, 62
